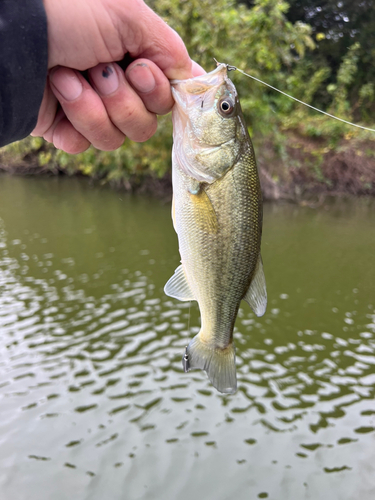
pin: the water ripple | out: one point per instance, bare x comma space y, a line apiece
92, 389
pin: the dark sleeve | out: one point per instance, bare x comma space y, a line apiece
23, 66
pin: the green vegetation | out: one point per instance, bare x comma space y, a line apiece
295, 146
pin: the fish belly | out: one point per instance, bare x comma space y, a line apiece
219, 259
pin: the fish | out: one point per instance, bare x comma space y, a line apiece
217, 215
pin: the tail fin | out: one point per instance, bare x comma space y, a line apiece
219, 364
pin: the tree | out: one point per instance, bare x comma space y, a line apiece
337, 25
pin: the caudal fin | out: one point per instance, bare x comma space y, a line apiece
219, 364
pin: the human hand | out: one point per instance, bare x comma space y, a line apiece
91, 35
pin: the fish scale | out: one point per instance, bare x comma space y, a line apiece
218, 222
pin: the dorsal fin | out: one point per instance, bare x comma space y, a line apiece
256, 295
178, 287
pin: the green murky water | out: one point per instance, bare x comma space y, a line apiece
93, 401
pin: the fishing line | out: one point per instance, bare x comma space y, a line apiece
233, 68
189, 317
185, 357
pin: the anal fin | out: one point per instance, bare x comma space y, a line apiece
178, 287
256, 295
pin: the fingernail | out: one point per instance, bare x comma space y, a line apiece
141, 77
105, 79
67, 83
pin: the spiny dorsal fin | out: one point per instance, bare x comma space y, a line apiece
178, 287
256, 295
206, 217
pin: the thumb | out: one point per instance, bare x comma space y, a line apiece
146, 35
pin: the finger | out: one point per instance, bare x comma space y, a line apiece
85, 109
66, 137
47, 113
151, 85
153, 39
48, 134
197, 69
124, 106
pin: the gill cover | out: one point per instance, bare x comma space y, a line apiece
207, 133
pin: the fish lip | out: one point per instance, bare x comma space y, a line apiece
219, 68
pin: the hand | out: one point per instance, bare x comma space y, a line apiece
91, 35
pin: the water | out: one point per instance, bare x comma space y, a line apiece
93, 400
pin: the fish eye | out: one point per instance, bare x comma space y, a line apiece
226, 106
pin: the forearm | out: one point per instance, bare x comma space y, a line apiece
23, 66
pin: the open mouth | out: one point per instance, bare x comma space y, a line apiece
202, 78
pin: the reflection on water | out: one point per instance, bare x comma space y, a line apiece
94, 403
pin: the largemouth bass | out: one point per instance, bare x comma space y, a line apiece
217, 215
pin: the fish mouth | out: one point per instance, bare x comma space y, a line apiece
192, 92
201, 83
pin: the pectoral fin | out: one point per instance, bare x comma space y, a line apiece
205, 216
256, 295
178, 287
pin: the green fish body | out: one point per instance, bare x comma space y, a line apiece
217, 214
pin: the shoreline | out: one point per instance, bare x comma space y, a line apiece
298, 169
314, 195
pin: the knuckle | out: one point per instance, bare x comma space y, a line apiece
96, 124
67, 138
130, 111
144, 131
76, 144
102, 133
111, 144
